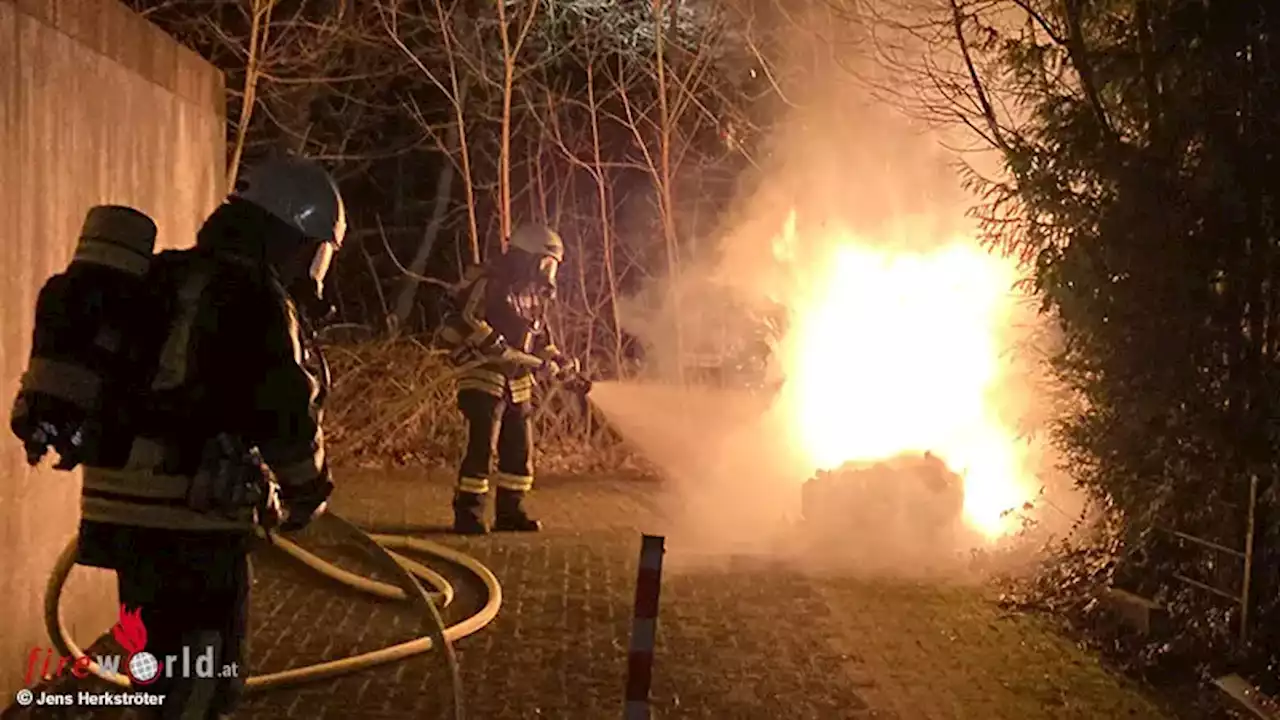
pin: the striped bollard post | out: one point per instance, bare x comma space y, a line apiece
644, 628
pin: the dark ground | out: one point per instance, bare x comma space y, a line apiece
739, 640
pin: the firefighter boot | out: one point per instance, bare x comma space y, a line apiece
509, 515
468, 514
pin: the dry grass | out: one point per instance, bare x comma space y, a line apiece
393, 401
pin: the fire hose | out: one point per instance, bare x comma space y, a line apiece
408, 573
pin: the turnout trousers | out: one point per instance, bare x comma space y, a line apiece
192, 594
495, 425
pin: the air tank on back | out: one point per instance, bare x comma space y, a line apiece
81, 341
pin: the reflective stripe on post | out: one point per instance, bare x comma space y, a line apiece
644, 628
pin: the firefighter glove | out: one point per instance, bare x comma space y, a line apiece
302, 505
579, 384
568, 367
570, 374
559, 368
298, 515
493, 345
42, 424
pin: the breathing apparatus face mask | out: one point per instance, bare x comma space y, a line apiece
545, 275
322, 258
320, 263
308, 287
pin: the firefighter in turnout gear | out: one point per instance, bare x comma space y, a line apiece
225, 427
500, 337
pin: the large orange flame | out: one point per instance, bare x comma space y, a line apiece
894, 351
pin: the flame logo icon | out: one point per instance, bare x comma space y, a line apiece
131, 633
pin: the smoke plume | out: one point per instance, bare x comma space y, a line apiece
840, 164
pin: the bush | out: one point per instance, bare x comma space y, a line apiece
394, 401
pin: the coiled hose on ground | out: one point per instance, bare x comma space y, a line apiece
407, 571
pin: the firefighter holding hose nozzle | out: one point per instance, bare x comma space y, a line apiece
197, 408
498, 335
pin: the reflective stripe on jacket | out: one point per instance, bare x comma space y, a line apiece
485, 309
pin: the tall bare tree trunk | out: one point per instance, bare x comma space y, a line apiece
606, 223
510, 53
666, 197
407, 287
258, 33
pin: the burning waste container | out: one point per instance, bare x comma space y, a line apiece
909, 501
